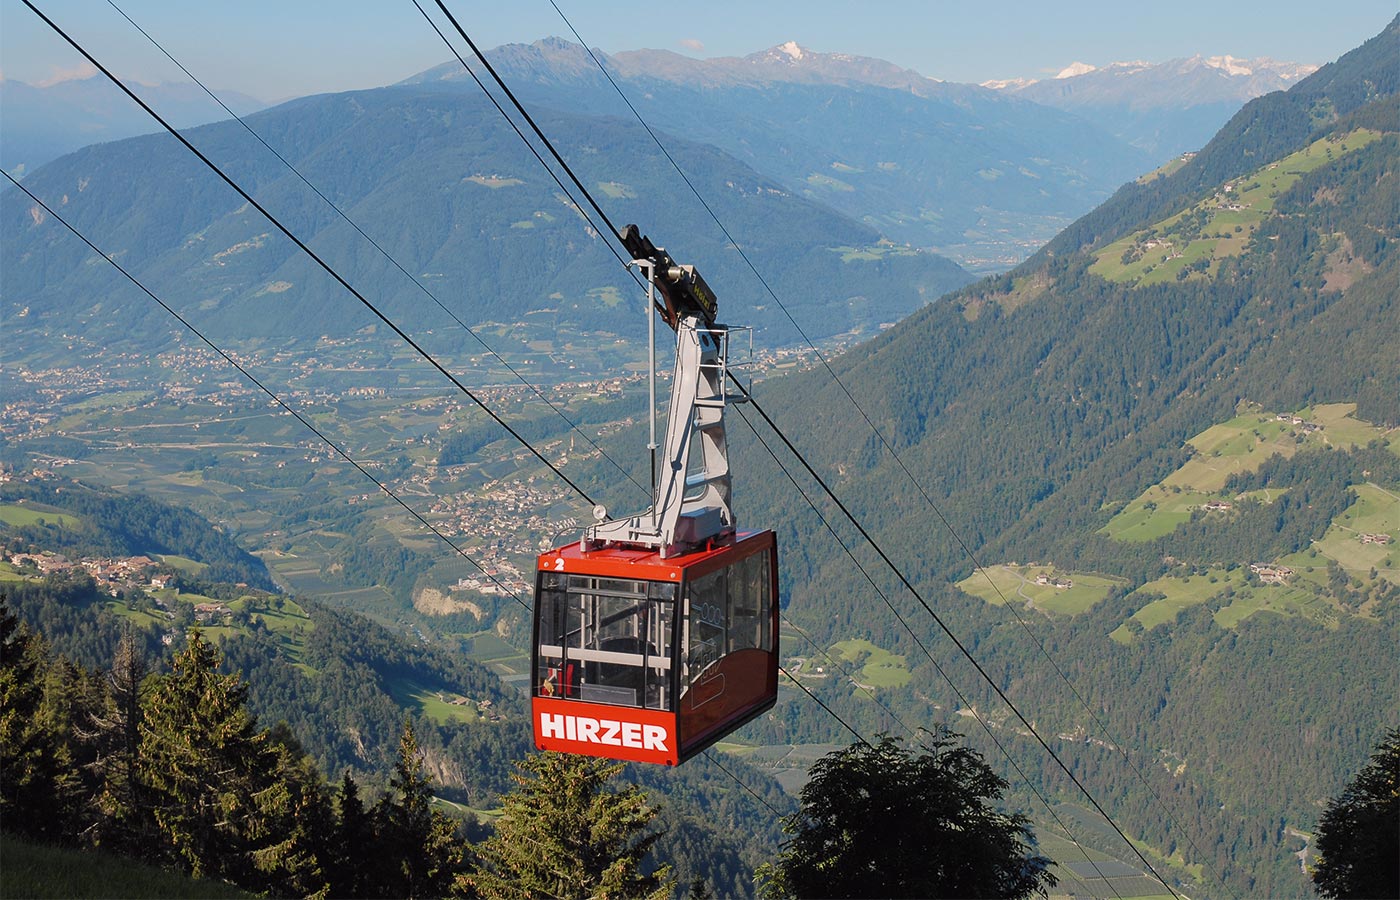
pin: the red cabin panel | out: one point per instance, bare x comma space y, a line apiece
652, 660
599, 729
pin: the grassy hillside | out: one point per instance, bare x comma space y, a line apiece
39, 872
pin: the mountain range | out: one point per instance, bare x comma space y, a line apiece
1166, 108
971, 173
441, 182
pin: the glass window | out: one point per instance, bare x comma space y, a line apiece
605, 640
551, 612
706, 638
660, 626
745, 604
760, 587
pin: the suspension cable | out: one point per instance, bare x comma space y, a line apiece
878, 434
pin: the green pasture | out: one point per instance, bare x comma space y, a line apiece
489, 647
816, 179
116, 400
1220, 226
1281, 599
26, 514
1177, 594
1240, 445
140, 618
616, 190
175, 595
995, 584
1376, 511
431, 702
1341, 428
608, 295
9, 573
182, 563
1155, 512
881, 668
871, 253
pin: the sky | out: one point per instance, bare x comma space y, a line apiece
277, 49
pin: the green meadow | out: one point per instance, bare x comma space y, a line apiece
26, 514
999, 584
880, 668
1192, 243
1240, 445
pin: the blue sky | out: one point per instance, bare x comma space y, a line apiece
274, 49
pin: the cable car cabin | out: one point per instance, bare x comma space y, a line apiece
652, 659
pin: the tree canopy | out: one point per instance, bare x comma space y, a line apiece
1358, 840
565, 834
884, 820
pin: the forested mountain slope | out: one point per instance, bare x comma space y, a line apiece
442, 183
1038, 407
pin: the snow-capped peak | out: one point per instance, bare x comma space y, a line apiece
1229, 65
1002, 84
791, 49
1076, 68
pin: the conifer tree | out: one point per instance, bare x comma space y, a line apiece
564, 834
201, 744
32, 761
121, 801
349, 874
228, 801
290, 829
418, 843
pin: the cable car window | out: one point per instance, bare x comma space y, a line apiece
747, 591
553, 612
605, 640
706, 623
660, 628
761, 581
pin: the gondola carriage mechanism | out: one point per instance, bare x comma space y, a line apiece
656, 635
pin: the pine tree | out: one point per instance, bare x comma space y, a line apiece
201, 745
32, 763
419, 845
121, 803
564, 834
229, 801
349, 873
290, 830
1358, 840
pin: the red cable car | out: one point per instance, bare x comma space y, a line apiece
656, 635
